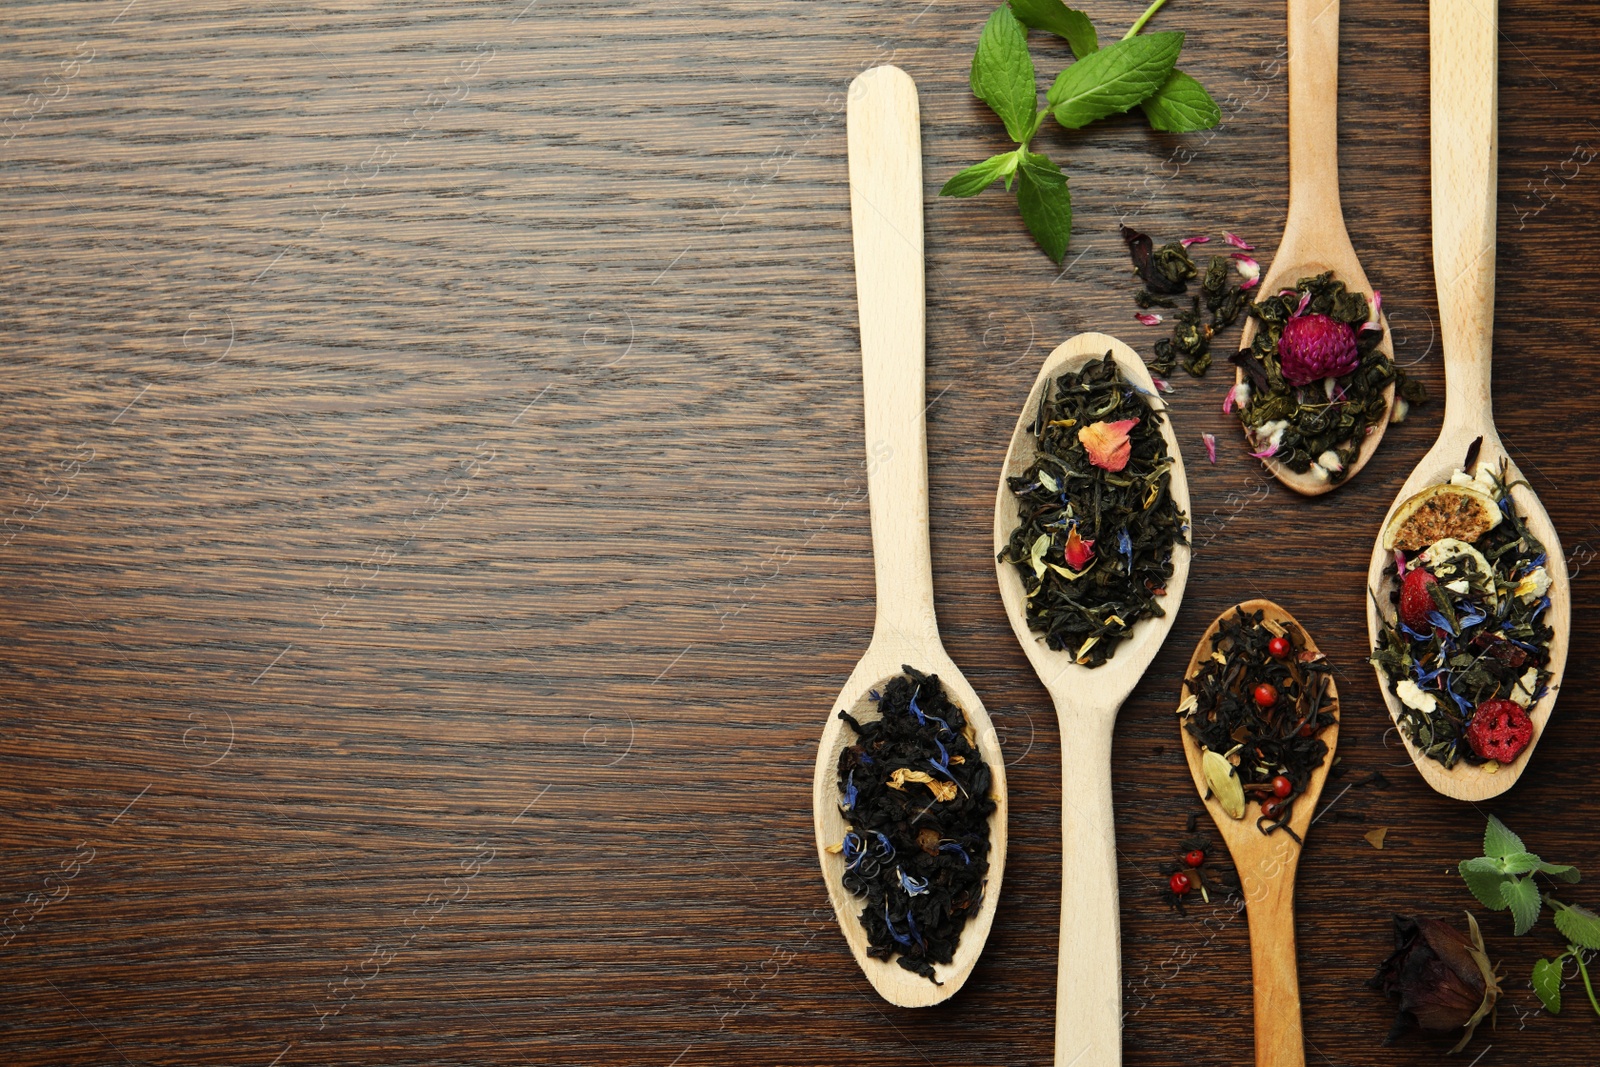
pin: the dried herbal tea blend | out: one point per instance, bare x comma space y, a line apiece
915, 796
1097, 520
1315, 377
1256, 707
1166, 272
1464, 645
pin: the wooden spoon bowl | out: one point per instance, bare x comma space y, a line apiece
1314, 235
1266, 866
885, 149
1464, 146
1089, 983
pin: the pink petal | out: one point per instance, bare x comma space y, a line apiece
1377, 303
1078, 551
1237, 242
1399, 561
1249, 283
1148, 319
1161, 384
1266, 453
1187, 241
1305, 302
1211, 446
1107, 443
1227, 402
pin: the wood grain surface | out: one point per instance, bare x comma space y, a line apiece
436, 526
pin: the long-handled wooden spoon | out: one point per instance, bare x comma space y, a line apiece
1089, 974
1462, 87
1266, 866
885, 148
1314, 237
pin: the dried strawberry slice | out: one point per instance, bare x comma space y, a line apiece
1415, 600
1499, 730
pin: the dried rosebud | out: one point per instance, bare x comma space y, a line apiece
1440, 978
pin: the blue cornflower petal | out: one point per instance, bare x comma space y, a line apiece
906, 941
951, 846
850, 792
912, 924
1441, 622
913, 886
874, 696
1471, 618
1125, 545
1539, 609
888, 849
915, 710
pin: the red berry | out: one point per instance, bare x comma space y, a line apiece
1194, 857
1499, 730
1180, 883
1266, 694
1416, 601
1272, 807
1281, 786
1313, 347
1278, 647
1305, 730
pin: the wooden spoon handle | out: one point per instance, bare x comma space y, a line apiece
1316, 222
1269, 896
1089, 972
1463, 91
885, 146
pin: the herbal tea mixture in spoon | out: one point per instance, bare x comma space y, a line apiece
1463, 646
1256, 707
915, 795
1316, 377
1097, 519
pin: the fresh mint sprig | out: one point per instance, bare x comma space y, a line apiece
1503, 879
1138, 69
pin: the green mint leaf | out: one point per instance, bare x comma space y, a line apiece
1522, 897
978, 177
1113, 79
1053, 16
1499, 841
1485, 884
1181, 105
1579, 925
1002, 73
1045, 203
1519, 863
1547, 984
1562, 871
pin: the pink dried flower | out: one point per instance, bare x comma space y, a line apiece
1305, 302
1249, 283
1248, 268
1313, 347
1187, 241
1161, 384
1266, 453
1239, 395
1148, 318
1374, 322
1237, 242
1211, 446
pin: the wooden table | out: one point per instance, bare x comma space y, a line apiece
437, 526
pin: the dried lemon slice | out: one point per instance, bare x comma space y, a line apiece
1439, 511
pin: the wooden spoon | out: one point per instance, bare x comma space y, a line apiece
1314, 237
1266, 866
1089, 974
885, 149
1463, 89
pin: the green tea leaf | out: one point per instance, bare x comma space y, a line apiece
978, 177
1484, 883
1002, 73
1565, 872
1522, 897
1181, 105
1519, 863
1547, 984
1045, 203
1053, 16
1499, 841
1579, 925
1113, 79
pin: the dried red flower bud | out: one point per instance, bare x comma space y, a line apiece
1440, 978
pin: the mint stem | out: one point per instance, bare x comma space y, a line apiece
1138, 25
1578, 955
